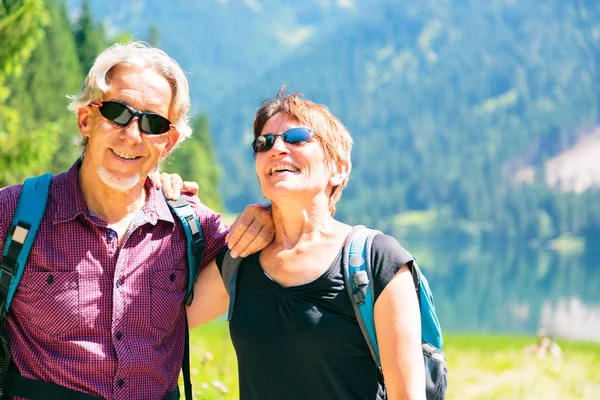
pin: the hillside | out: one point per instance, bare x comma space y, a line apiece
441, 98
438, 99
220, 43
576, 169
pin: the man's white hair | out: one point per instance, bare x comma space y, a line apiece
138, 55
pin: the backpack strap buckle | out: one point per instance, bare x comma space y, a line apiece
361, 286
197, 238
18, 233
9, 266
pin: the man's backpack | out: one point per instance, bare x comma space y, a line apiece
358, 276
21, 235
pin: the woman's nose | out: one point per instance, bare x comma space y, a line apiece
279, 145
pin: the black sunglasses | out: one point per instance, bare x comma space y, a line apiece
292, 136
122, 115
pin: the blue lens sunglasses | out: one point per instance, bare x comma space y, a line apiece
294, 136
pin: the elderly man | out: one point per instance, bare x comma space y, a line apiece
99, 310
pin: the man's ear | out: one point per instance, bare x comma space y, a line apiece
172, 139
339, 172
84, 120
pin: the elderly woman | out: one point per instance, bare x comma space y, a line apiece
294, 329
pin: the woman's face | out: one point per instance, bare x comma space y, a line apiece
291, 169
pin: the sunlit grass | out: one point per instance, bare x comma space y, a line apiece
489, 367
481, 367
213, 363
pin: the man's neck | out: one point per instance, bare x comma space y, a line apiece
109, 204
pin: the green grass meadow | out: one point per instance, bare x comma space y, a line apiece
481, 367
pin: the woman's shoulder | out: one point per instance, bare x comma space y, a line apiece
387, 258
387, 247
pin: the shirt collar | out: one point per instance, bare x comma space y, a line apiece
70, 203
156, 207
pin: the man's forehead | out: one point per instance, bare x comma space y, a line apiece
135, 99
139, 78
145, 88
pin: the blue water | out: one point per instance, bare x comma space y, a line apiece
512, 291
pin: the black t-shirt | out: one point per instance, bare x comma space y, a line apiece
303, 342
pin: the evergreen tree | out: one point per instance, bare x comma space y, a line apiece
52, 72
153, 35
22, 151
90, 37
195, 161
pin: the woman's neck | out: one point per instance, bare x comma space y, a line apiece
301, 224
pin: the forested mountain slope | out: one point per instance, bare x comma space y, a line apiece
224, 43
447, 100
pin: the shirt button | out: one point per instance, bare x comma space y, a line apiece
119, 335
112, 234
118, 284
50, 279
121, 383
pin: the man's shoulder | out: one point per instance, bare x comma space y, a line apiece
9, 196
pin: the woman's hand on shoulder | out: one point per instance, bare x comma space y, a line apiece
252, 231
172, 184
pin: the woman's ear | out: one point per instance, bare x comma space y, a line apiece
339, 172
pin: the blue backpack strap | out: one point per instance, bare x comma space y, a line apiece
21, 234
431, 331
358, 278
195, 241
229, 271
436, 370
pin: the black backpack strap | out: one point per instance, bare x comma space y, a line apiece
195, 241
174, 395
19, 386
229, 271
195, 252
187, 380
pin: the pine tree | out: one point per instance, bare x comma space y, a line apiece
90, 37
195, 160
153, 35
21, 151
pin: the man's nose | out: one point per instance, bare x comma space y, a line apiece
132, 131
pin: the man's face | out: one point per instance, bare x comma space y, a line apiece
122, 157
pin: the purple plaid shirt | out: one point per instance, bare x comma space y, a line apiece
97, 318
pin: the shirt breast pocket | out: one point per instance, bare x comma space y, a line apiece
49, 301
168, 290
